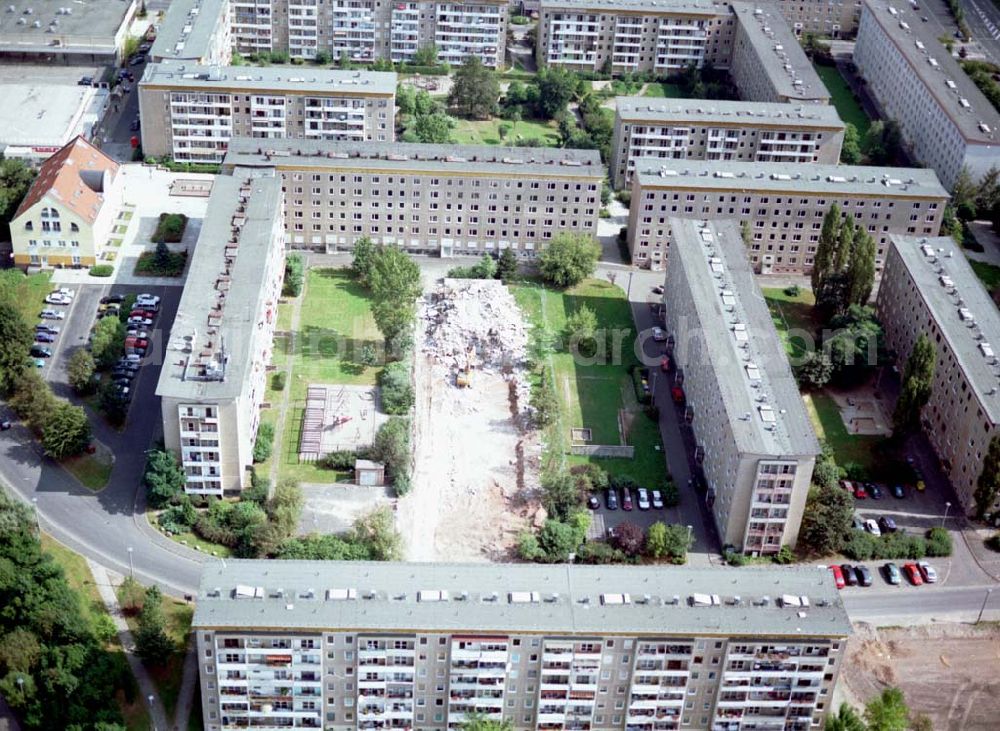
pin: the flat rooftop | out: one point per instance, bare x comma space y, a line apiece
786, 64
563, 598
89, 26
645, 109
44, 115
961, 306
186, 29
780, 177
943, 76
745, 356
644, 7
298, 79
414, 157
208, 353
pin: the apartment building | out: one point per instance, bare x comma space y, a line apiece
754, 441
374, 645
84, 32
191, 112
945, 120
446, 200
683, 129
829, 18
359, 30
213, 376
783, 204
929, 288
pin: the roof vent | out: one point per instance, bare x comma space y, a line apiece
341, 594
612, 599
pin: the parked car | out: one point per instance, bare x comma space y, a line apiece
52, 315
144, 47
928, 572
123, 373
137, 60
913, 574
657, 497
147, 297
874, 490
40, 351
110, 312
838, 576
123, 363
850, 578
626, 499
85, 81
44, 327
872, 527
133, 358
55, 298
44, 337
144, 321
142, 313
611, 498
592, 502
658, 289
65, 292
864, 575
134, 126
860, 493
887, 524
658, 334
38, 363
5, 425
642, 498
898, 491
113, 299
892, 574
857, 523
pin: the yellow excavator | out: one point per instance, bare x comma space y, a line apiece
464, 377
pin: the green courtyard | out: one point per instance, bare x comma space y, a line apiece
473, 132
843, 99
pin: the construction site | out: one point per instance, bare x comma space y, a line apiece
475, 475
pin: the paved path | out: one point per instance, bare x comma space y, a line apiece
189, 681
103, 581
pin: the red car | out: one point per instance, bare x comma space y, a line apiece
626, 499
838, 576
665, 364
143, 313
913, 574
859, 491
678, 394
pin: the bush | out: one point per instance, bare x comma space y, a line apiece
784, 556
629, 538
735, 558
392, 448
792, 291
598, 552
993, 542
938, 542
861, 546
264, 443
294, 276
671, 495
178, 518
341, 461
170, 228
102, 270
160, 264
396, 389
278, 381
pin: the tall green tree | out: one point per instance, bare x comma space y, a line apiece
556, 88
108, 341
507, 265
164, 478
15, 342
918, 380
861, 269
988, 485
475, 89
151, 641
845, 243
426, 55
850, 149
394, 281
845, 719
80, 371
364, 257
66, 433
433, 128
33, 400
827, 519
826, 248
569, 258
888, 711
15, 179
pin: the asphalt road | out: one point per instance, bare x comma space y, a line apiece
983, 18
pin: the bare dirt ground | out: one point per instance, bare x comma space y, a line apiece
948, 671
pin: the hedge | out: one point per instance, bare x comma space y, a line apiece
102, 270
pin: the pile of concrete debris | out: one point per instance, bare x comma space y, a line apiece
474, 321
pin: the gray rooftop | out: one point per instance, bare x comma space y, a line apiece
186, 29
780, 177
699, 7
745, 357
414, 157
181, 376
297, 79
89, 27
789, 69
567, 598
645, 109
946, 80
944, 258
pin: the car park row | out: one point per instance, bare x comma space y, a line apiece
137, 340
917, 573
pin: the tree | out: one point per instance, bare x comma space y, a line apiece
151, 641
161, 257
363, 259
426, 56
888, 711
569, 259
845, 719
32, 400
15, 342
395, 388
479, 722
845, 243
394, 281
285, 507
264, 442
918, 381
377, 531
556, 88
507, 265
108, 342
561, 496
544, 401
988, 485
80, 371
294, 275
827, 519
853, 343
475, 89
861, 269
433, 128
629, 538
323, 58
66, 432
825, 249
581, 331
815, 370
15, 179
164, 478
663, 541
850, 149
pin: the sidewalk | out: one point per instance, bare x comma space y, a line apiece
103, 580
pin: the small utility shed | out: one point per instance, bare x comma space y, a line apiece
367, 472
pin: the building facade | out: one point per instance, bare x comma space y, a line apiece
191, 116
754, 441
435, 199
828, 18
358, 30
343, 646
945, 120
928, 288
783, 204
682, 129
213, 378
69, 210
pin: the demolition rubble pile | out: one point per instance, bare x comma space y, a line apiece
476, 322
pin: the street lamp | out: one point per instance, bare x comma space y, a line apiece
947, 507
690, 533
152, 715
131, 566
982, 609
34, 507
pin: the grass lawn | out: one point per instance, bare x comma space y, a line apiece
91, 470
660, 89
190, 539
470, 132
335, 324
989, 274
843, 99
847, 448
592, 395
792, 313
27, 292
